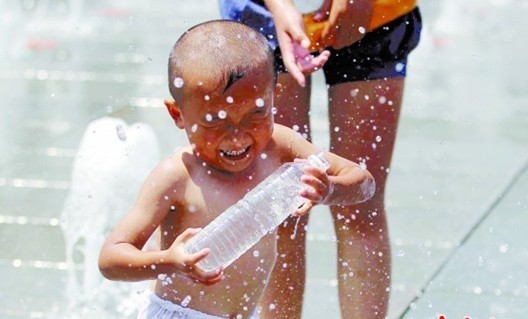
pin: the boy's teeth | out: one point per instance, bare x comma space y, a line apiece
234, 153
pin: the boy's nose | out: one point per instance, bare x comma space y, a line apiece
238, 136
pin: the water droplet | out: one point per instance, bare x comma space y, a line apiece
194, 128
354, 92
222, 114
121, 134
362, 30
399, 67
200, 83
192, 208
295, 128
259, 102
185, 302
374, 146
363, 166
367, 97
263, 155
208, 117
206, 97
229, 99
166, 197
336, 129
274, 110
271, 306
285, 265
382, 100
178, 83
239, 316
378, 138
256, 253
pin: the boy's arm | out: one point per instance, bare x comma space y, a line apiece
121, 257
351, 183
344, 183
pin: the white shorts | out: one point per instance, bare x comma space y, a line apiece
153, 307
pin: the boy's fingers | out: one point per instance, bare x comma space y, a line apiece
210, 277
188, 233
304, 209
196, 257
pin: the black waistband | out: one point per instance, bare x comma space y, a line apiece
259, 2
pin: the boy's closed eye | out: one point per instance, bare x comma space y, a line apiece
260, 112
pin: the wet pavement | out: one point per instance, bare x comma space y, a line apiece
457, 194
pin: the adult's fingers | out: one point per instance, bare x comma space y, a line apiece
290, 62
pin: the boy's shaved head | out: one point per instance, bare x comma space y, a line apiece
218, 53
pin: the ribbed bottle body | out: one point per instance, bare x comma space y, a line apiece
242, 225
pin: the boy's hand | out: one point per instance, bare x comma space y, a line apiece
319, 187
186, 263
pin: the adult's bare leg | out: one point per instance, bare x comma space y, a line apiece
363, 123
283, 297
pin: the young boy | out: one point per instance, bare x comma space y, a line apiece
222, 80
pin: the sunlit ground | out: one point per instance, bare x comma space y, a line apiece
458, 191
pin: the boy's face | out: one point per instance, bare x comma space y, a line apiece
228, 128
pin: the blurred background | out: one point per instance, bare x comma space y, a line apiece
82, 122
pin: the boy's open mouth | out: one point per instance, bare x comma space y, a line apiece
235, 154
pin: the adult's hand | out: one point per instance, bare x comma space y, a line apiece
293, 41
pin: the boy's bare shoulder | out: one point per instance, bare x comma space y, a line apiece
172, 170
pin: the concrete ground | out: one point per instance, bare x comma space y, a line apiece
457, 195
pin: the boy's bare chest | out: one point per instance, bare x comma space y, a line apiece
210, 194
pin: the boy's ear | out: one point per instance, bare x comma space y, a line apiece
279, 89
175, 112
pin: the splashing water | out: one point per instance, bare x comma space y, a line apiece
178, 83
107, 173
259, 102
186, 301
295, 228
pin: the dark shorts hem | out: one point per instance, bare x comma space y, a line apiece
382, 53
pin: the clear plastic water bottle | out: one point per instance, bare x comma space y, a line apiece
264, 208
